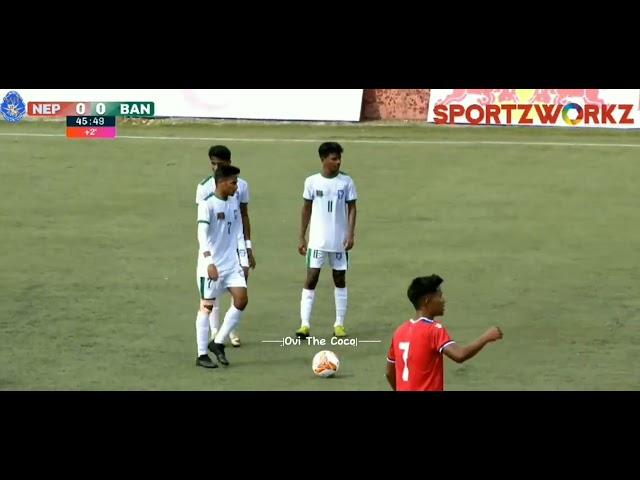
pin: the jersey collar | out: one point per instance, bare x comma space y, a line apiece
428, 320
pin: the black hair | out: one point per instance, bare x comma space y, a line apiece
422, 286
221, 152
327, 148
225, 171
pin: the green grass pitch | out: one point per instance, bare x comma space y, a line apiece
98, 292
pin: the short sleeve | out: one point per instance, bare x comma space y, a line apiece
244, 197
307, 194
391, 355
352, 195
442, 338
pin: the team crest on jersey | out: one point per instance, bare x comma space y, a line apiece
235, 214
340, 194
13, 107
220, 216
437, 325
319, 193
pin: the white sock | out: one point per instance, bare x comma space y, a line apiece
202, 332
232, 332
231, 319
214, 317
340, 295
306, 305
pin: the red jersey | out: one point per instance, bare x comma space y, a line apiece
416, 351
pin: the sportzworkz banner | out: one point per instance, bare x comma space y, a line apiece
604, 108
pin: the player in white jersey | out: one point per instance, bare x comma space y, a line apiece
218, 268
330, 205
220, 155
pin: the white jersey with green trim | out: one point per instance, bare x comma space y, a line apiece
205, 190
329, 219
217, 227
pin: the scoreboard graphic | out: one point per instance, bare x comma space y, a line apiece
91, 120
91, 126
108, 109
84, 120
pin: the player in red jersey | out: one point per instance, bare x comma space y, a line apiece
415, 361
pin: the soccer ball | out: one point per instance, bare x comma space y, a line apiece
325, 364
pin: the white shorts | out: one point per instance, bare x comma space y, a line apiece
337, 260
210, 289
243, 258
